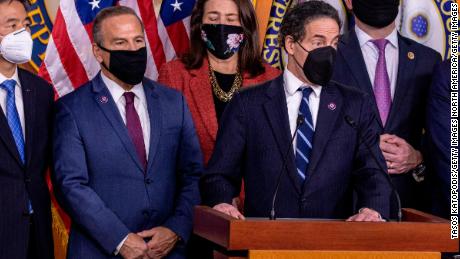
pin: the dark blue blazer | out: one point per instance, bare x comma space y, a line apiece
438, 139
254, 136
407, 114
20, 183
100, 181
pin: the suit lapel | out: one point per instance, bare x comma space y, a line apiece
104, 100
405, 70
277, 115
353, 56
29, 100
155, 113
330, 107
7, 137
200, 88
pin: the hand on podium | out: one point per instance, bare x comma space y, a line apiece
229, 210
366, 214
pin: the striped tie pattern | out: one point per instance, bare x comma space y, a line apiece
304, 136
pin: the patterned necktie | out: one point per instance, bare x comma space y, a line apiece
304, 136
12, 116
382, 90
133, 124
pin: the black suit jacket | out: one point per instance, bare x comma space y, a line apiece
19, 183
254, 136
407, 114
438, 139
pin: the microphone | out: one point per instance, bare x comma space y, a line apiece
352, 124
300, 121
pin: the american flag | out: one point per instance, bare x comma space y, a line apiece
69, 61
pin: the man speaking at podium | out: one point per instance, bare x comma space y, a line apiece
307, 139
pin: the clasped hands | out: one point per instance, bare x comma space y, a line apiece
162, 241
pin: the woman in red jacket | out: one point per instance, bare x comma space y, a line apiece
224, 56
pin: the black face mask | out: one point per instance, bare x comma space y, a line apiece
319, 65
222, 40
376, 13
127, 65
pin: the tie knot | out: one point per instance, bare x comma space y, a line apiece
129, 97
8, 85
306, 91
380, 44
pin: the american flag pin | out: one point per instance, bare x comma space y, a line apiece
104, 99
331, 106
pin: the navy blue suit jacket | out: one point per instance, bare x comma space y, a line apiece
254, 136
100, 181
438, 139
20, 183
407, 114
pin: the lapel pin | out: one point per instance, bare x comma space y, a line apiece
410, 55
331, 106
104, 99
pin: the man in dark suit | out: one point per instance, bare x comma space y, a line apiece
438, 139
26, 103
329, 155
126, 156
396, 72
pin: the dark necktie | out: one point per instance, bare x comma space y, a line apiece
304, 136
133, 124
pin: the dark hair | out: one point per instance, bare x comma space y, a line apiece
25, 3
300, 15
249, 59
107, 13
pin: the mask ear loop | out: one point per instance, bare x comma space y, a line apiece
295, 59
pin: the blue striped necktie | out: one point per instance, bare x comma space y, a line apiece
304, 136
12, 116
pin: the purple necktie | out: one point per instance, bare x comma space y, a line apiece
382, 90
133, 124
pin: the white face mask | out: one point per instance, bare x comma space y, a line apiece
16, 47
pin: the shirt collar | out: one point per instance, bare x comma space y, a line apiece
364, 38
15, 77
117, 91
292, 84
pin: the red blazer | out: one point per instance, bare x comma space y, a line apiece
196, 87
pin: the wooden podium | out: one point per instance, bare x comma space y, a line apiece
420, 235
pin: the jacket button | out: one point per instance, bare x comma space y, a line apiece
145, 213
304, 200
148, 181
28, 180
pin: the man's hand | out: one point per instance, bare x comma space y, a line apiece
161, 243
400, 156
134, 247
229, 210
366, 214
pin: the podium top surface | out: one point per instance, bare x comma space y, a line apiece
418, 232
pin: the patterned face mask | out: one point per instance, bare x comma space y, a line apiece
222, 40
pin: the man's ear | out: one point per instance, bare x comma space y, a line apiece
97, 52
289, 44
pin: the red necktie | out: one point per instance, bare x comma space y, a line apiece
133, 124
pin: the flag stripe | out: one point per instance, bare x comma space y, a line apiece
60, 81
71, 62
168, 50
178, 36
149, 18
79, 38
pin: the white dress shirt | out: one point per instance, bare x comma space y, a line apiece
371, 56
294, 98
140, 104
18, 99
